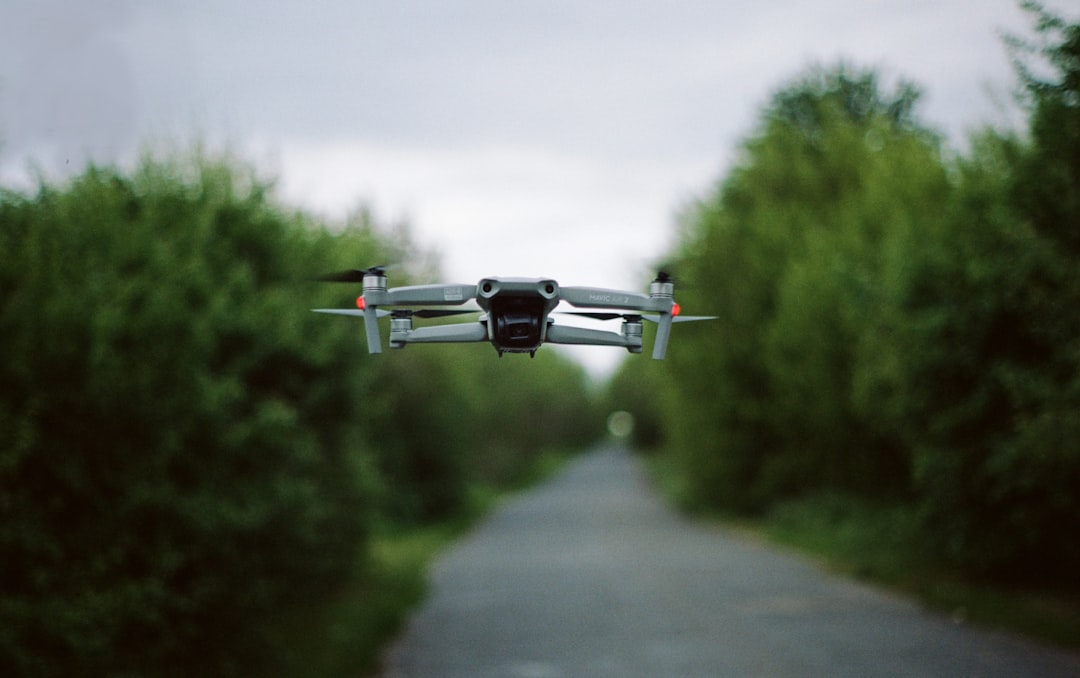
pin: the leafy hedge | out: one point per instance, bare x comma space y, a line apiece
898, 321
184, 447
173, 456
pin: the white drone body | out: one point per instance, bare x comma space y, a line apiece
515, 312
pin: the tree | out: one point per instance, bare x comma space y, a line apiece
997, 381
186, 449
792, 249
178, 454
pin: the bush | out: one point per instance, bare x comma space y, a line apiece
177, 455
188, 454
893, 322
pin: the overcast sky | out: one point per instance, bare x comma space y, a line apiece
555, 138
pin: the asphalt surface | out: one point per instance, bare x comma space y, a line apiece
591, 574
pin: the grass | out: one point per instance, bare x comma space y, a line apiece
345, 635
881, 543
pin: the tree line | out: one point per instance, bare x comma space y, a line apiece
899, 321
185, 448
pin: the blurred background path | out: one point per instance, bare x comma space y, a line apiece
592, 574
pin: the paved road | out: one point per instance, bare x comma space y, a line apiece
592, 575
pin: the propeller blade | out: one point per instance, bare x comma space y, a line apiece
380, 313
680, 318
353, 275
371, 325
598, 315
692, 318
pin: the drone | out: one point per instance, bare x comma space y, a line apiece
515, 312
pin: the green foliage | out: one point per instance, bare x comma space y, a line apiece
410, 415
795, 242
998, 382
172, 465
868, 538
523, 408
883, 543
1047, 183
895, 323
345, 635
185, 449
638, 387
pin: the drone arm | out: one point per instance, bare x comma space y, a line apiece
427, 295
597, 297
680, 318
567, 334
441, 334
354, 312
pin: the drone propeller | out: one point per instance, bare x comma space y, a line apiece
601, 315
400, 313
633, 317
354, 275
681, 318
355, 312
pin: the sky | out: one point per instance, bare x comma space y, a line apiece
545, 139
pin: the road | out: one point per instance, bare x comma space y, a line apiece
591, 574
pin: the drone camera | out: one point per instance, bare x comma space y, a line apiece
518, 308
518, 321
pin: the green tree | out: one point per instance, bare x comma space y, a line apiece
523, 408
186, 449
178, 454
791, 251
639, 387
995, 321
